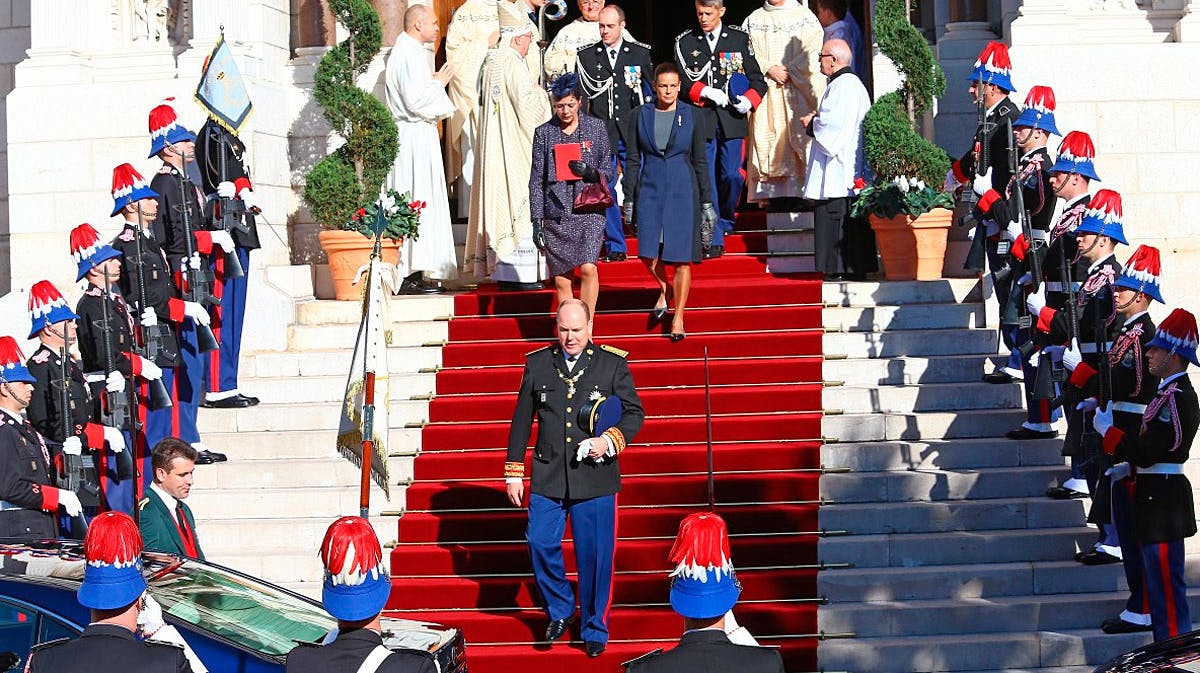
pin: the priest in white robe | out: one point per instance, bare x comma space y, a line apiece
500, 233
416, 96
473, 30
786, 37
584, 31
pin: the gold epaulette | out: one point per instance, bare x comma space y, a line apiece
614, 350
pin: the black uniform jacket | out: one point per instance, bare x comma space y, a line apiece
700, 66
613, 94
998, 141
111, 648
161, 293
209, 145
544, 386
1162, 503
1094, 308
173, 198
1038, 198
45, 409
92, 337
25, 482
1130, 374
709, 651
349, 651
1062, 250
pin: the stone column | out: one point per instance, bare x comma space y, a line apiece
312, 25
391, 18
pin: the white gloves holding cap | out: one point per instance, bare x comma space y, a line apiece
718, 97
742, 105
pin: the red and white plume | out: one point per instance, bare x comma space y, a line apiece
702, 545
113, 540
1075, 146
1105, 206
1144, 265
994, 58
163, 119
1040, 98
10, 353
351, 552
125, 179
1179, 329
44, 298
84, 242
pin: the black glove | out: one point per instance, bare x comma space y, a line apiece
708, 223
627, 213
539, 238
580, 168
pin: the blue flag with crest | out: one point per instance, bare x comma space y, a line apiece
221, 90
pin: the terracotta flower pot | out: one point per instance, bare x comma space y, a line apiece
912, 248
348, 251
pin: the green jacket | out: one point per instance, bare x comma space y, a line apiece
159, 532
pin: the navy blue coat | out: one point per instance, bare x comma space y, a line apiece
668, 187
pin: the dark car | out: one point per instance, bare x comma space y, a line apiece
232, 621
1180, 654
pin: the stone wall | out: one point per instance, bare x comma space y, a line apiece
14, 40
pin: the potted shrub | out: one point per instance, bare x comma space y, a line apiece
345, 186
908, 212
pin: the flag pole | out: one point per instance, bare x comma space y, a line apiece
708, 434
368, 407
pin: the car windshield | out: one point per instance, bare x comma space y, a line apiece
237, 608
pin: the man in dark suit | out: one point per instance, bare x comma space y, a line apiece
613, 74
166, 521
709, 56
575, 474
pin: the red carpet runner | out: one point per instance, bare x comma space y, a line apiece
462, 559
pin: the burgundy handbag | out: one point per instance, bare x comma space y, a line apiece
593, 198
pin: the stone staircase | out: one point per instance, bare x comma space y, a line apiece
944, 553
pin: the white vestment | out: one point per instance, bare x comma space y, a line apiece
500, 234
473, 24
561, 54
836, 154
417, 102
791, 36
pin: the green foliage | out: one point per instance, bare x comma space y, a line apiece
889, 199
352, 175
401, 215
892, 145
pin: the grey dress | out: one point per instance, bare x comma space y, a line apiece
572, 238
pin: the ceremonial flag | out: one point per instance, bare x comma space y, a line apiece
221, 90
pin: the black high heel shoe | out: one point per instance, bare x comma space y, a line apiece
659, 312
676, 337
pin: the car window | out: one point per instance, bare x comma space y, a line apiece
17, 629
50, 628
252, 614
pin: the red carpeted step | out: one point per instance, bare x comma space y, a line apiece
650, 373
656, 402
639, 459
539, 326
633, 269
738, 243
732, 428
444, 593
799, 654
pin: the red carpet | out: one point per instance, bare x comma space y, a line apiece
462, 559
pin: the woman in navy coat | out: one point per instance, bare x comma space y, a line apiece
667, 192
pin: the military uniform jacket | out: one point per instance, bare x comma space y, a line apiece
208, 157
709, 651
615, 94
700, 66
108, 647
161, 293
173, 198
1132, 382
159, 531
348, 652
45, 409
1063, 246
546, 393
1094, 307
998, 141
1038, 197
25, 482
1162, 503
92, 337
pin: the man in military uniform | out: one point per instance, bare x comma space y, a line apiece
721, 77
612, 74
355, 590
1163, 514
575, 474
28, 501
114, 590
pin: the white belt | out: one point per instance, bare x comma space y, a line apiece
1091, 347
1129, 407
1057, 286
1162, 468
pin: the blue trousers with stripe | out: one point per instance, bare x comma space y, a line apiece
614, 231
594, 529
184, 383
725, 160
1131, 550
221, 365
1165, 588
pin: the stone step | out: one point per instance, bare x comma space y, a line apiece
966, 547
939, 425
330, 501
799, 242
902, 292
309, 389
328, 470
920, 342
905, 317
923, 397
976, 652
297, 416
402, 309
909, 370
939, 485
927, 517
300, 443
316, 337
946, 455
253, 534
402, 360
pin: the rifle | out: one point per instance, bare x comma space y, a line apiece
153, 337
968, 200
116, 407
79, 472
231, 212
1072, 315
197, 283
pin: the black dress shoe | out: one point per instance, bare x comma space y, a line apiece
714, 251
1095, 557
594, 648
1025, 433
1060, 493
250, 399
616, 257
1118, 625
410, 286
210, 457
514, 286
232, 402
658, 313
998, 376
676, 337
558, 627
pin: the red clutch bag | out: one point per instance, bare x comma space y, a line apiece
593, 198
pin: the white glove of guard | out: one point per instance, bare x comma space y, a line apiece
69, 502
149, 317
1036, 301
115, 383
718, 97
250, 201
73, 446
1071, 357
982, 183
951, 182
115, 439
1103, 420
1088, 406
196, 312
153, 627
150, 371
193, 262
742, 105
226, 190
222, 239
1014, 230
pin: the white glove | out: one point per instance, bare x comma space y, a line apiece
250, 201
115, 383
1014, 231
150, 618
222, 239
69, 502
73, 446
982, 183
1036, 301
226, 190
1103, 420
951, 182
150, 371
718, 97
196, 312
193, 262
115, 439
742, 105
153, 627
585, 447
1088, 406
149, 318
1025, 280
1071, 356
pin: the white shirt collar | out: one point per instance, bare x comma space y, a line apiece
1095, 265
715, 33
995, 105
16, 416
168, 499
1165, 382
616, 47
1134, 317
1077, 199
